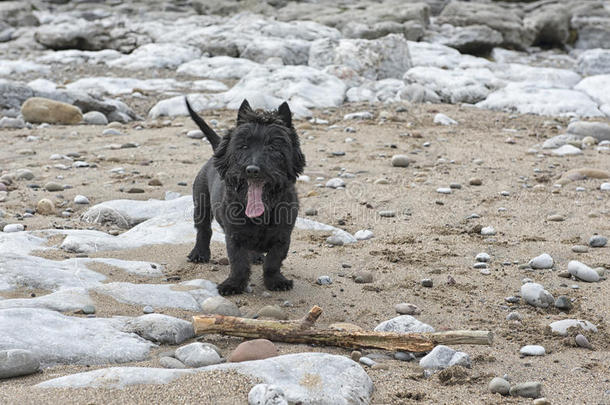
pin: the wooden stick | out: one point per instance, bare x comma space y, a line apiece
301, 332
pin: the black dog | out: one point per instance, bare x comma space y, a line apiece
248, 186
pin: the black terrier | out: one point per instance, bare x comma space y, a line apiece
248, 186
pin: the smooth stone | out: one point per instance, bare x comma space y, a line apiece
195, 134
361, 115
582, 341
444, 190
364, 277
171, 362
532, 350
367, 361
197, 355
567, 150
387, 214
400, 161
605, 187
111, 132
598, 241
88, 309
455, 186
160, 328
335, 183
81, 199
514, 316
499, 386
541, 401
24, 174
273, 312
219, 306
582, 272
442, 119
555, 218
17, 362
544, 261
563, 303
95, 118
324, 280
527, 390
355, 355
37, 110
483, 257
363, 234
13, 228
266, 394
442, 357
535, 294
427, 282
311, 212
256, 349
404, 356
561, 327
45, 207
52, 186
488, 231
335, 240
403, 324
405, 308
580, 249
475, 181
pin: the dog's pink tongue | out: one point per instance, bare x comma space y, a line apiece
255, 207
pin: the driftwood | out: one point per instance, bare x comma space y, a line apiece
301, 331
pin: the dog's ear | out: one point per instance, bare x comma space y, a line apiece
222, 159
244, 113
297, 161
285, 114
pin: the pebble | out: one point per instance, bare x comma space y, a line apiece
563, 303
197, 355
505, 193
355, 355
311, 212
404, 356
195, 134
532, 350
335, 183
171, 362
541, 401
598, 241
483, 257
3, 187
442, 119
148, 309
45, 207
405, 308
95, 118
580, 249
527, 390
582, 341
256, 349
13, 228
605, 187
52, 186
135, 190
363, 234
335, 240
475, 181
17, 362
273, 312
219, 306
361, 115
111, 132
488, 231
544, 261
387, 214
582, 272
364, 277
367, 361
514, 316
556, 218
480, 265
81, 199
88, 309
381, 181
24, 174
324, 280
535, 294
499, 386
443, 356
427, 282
400, 161
444, 190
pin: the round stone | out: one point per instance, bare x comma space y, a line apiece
52, 186
111, 132
405, 308
256, 349
197, 355
219, 306
88, 309
499, 386
427, 282
582, 272
311, 212
580, 249
488, 231
363, 234
598, 241
81, 199
324, 280
13, 228
475, 181
544, 261
45, 207
335, 240
582, 341
195, 134
532, 350
95, 118
400, 161
148, 309
170, 362
335, 183
483, 257
404, 356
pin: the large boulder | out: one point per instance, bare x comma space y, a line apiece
549, 24
38, 110
18, 13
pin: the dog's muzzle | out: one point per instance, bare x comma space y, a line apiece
253, 171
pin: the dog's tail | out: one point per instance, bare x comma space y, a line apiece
209, 133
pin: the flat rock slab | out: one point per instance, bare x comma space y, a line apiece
160, 328
72, 299
306, 378
60, 339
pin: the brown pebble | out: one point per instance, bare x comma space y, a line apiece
135, 190
223, 261
155, 182
475, 181
256, 349
45, 207
356, 354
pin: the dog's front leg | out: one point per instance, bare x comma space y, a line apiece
240, 269
274, 280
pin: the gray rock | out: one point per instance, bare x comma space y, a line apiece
81, 199
335, 183
148, 309
220, 306
594, 62
160, 328
442, 357
197, 355
582, 272
13, 228
88, 309
12, 95
535, 294
499, 386
95, 118
561, 327
582, 341
15, 123
527, 389
514, 316
598, 130
364, 277
544, 261
549, 23
407, 309
195, 134
17, 362
324, 280
427, 282
52, 186
404, 356
483, 257
400, 161
336, 240
266, 394
563, 303
474, 39
170, 362
532, 350
560, 140
387, 214
272, 311
360, 115
442, 119
597, 241
403, 324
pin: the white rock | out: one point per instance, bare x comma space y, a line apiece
160, 328
335, 183
598, 88
442, 357
544, 261
483, 257
17, 362
567, 150
594, 62
403, 324
444, 190
75, 340
42, 85
197, 355
535, 294
488, 231
363, 234
360, 115
152, 56
81, 199
582, 272
218, 67
13, 228
560, 140
64, 300
561, 327
95, 118
442, 119
532, 350
266, 394
604, 187
12, 67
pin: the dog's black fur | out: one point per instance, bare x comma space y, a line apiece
263, 148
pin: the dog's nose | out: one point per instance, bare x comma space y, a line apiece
252, 170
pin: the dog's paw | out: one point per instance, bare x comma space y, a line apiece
278, 283
231, 287
197, 257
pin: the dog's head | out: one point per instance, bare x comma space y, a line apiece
262, 152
